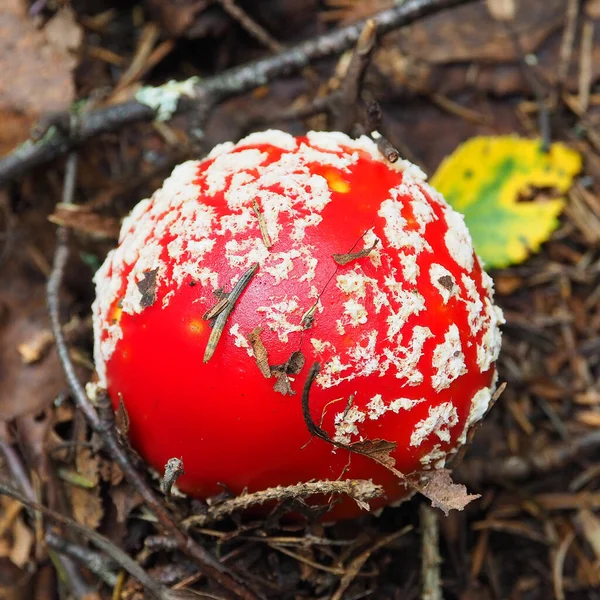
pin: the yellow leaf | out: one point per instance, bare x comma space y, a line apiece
510, 191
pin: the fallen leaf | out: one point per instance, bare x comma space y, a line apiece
293, 366
283, 385
509, 191
147, 288
23, 540
378, 450
86, 501
590, 526
33, 431
84, 220
125, 500
26, 388
295, 363
15, 583
470, 33
35, 349
63, 31
37, 74
502, 10
592, 9
444, 493
260, 352
177, 17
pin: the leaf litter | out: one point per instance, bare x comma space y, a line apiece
550, 299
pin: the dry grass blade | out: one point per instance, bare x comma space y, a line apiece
353, 569
262, 224
558, 565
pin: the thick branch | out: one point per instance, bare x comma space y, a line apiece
59, 140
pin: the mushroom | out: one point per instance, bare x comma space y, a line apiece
272, 254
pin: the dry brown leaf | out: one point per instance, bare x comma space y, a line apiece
147, 288
33, 431
502, 10
444, 493
26, 388
15, 583
125, 500
295, 363
293, 366
86, 502
590, 526
15, 129
378, 450
35, 349
63, 31
470, 33
260, 352
283, 385
84, 220
23, 540
110, 472
122, 418
592, 9
37, 76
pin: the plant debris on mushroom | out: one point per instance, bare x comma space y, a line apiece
319, 250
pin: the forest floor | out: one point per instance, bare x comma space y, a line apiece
501, 67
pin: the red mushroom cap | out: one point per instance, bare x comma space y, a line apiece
349, 261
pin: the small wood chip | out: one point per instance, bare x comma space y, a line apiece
447, 282
262, 224
260, 352
293, 366
147, 288
282, 385
219, 307
308, 318
221, 320
344, 259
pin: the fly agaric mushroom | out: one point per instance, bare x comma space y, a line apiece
279, 251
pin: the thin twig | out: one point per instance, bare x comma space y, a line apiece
251, 26
585, 64
208, 92
519, 468
357, 564
90, 559
359, 490
344, 102
431, 580
123, 559
221, 320
106, 431
541, 95
568, 41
